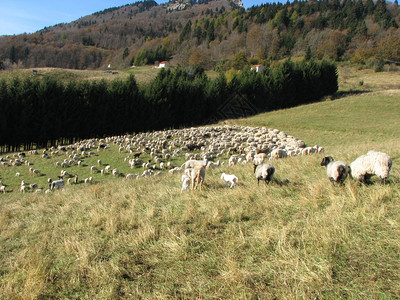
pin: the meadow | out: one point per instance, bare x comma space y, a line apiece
298, 238
143, 74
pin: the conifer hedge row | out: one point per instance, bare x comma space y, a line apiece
44, 112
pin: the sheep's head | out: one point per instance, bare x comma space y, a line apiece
326, 160
254, 167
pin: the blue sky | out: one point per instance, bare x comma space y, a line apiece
19, 16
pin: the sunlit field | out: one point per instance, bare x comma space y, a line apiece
298, 237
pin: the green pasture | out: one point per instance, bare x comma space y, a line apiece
298, 238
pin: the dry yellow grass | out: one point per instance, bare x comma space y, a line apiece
297, 238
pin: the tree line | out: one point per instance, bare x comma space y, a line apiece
339, 30
45, 112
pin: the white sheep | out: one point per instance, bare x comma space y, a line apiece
185, 183
147, 173
264, 172
191, 163
3, 189
175, 170
88, 180
373, 163
233, 160
131, 176
259, 158
33, 186
278, 153
337, 171
232, 179
57, 184
93, 169
198, 174
115, 172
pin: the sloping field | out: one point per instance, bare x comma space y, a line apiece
299, 237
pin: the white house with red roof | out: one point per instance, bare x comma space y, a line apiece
257, 68
163, 64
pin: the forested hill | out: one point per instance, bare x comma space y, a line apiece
217, 34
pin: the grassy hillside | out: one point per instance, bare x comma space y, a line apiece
299, 237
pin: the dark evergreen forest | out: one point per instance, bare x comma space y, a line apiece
44, 112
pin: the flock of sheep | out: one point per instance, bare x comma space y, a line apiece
203, 148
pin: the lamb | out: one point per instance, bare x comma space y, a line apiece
232, 179
264, 171
337, 171
185, 182
373, 163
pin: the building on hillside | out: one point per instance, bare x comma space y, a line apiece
257, 68
163, 64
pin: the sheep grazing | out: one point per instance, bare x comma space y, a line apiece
373, 163
198, 174
147, 173
264, 171
115, 172
3, 189
131, 176
88, 180
232, 179
93, 169
56, 184
337, 171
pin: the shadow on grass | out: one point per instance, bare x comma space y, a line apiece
342, 94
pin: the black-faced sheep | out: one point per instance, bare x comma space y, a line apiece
337, 171
264, 172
